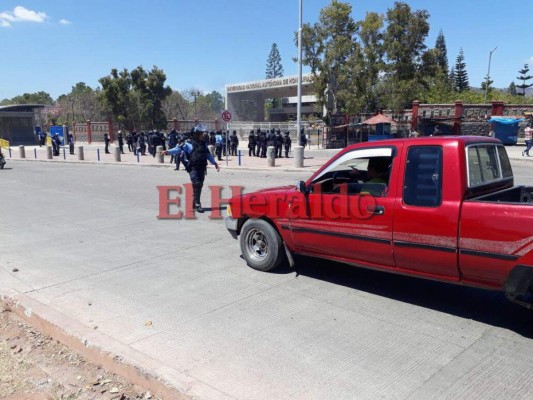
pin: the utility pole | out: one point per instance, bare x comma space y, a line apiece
299, 104
488, 74
195, 94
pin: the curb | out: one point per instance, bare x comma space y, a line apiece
167, 165
101, 349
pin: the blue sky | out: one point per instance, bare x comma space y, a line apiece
204, 44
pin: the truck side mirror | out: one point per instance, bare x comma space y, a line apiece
301, 187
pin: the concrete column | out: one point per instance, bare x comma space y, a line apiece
298, 152
414, 115
22, 152
457, 118
49, 154
117, 154
160, 157
271, 156
212, 150
81, 156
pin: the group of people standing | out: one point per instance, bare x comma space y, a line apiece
138, 143
259, 140
225, 144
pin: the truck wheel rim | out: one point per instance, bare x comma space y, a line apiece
256, 244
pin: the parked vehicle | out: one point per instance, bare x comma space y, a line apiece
446, 210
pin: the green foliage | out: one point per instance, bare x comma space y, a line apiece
524, 77
404, 40
136, 99
333, 45
512, 89
442, 52
274, 69
486, 85
215, 101
461, 75
364, 66
31, 98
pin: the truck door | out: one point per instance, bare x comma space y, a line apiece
426, 219
344, 219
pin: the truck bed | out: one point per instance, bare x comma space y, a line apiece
516, 195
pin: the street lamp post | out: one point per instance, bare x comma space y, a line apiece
299, 104
488, 74
195, 94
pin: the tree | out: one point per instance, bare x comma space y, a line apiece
80, 105
274, 69
512, 89
364, 66
312, 47
118, 98
461, 75
442, 52
404, 39
136, 99
216, 102
175, 106
152, 91
486, 85
33, 98
405, 53
334, 43
524, 77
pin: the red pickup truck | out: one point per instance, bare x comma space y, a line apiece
442, 208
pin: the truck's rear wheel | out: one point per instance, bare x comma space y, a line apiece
261, 245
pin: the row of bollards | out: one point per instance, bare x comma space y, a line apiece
298, 152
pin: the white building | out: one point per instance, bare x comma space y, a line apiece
246, 101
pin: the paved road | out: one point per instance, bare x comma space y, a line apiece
86, 242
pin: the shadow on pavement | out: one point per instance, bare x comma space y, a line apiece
486, 306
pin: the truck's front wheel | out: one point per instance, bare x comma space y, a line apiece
261, 245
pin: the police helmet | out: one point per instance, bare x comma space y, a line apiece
199, 128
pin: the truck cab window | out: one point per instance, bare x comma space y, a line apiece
423, 176
487, 163
364, 171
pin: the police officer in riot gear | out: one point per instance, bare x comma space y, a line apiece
219, 142
258, 144
234, 143
287, 143
279, 144
195, 156
120, 139
251, 144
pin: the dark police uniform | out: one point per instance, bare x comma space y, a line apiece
234, 143
195, 155
258, 144
251, 144
120, 142
279, 144
106, 142
287, 143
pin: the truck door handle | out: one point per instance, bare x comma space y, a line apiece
377, 210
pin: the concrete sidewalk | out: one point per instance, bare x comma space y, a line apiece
313, 158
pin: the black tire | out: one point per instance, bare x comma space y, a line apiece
261, 245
